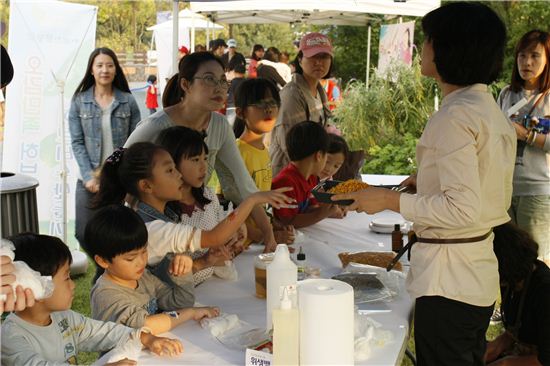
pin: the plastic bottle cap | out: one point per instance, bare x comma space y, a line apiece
301, 255
286, 304
397, 227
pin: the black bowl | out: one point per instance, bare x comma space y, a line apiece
320, 194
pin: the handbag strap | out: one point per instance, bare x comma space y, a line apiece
541, 97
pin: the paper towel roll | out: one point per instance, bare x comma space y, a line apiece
326, 322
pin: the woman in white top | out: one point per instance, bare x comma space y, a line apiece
191, 99
531, 83
464, 187
103, 114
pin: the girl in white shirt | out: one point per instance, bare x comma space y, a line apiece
199, 206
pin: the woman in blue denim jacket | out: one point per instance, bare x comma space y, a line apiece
103, 114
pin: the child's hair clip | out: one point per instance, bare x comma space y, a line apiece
115, 157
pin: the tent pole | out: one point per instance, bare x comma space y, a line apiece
193, 34
175, 35
368, 56
63, 172
207, 33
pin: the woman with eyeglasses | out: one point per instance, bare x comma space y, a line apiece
303, 98
190, 99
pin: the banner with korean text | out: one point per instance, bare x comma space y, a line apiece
49, 45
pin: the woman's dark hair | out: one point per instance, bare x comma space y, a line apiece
249, 92
88, 81
468, 40
185, 143
122, 171
187, 69
300, 71
257, 47
272, 54
530, 40
305, 139
516, 252
337, 144
114, 230
151, 79
286, 55
43, 253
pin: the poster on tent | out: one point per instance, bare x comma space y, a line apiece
49, 41
396, 45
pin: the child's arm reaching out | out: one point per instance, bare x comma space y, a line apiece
220, 234
164, 322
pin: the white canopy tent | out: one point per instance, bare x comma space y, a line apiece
164, 38
188, 21
334, 12
339, 12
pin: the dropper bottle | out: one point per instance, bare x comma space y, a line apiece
301, 264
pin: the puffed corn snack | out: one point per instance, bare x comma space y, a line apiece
350, 185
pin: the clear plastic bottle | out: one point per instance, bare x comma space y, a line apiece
286, 333
280, 272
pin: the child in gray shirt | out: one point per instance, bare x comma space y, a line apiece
48, 333
127, 292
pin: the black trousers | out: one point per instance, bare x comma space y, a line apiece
83, 214
450, 332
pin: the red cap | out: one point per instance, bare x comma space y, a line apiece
314, 43
183, 49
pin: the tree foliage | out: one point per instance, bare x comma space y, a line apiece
121, 25
386, 119
351, 42
276, 35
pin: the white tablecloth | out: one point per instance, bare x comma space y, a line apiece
322, 243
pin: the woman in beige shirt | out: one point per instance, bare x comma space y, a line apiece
464, 184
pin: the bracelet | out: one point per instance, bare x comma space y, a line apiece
529, 137
533, 139
172, 314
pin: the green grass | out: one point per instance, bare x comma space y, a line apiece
492, 332
81, 304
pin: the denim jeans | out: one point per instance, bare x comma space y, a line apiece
532, 214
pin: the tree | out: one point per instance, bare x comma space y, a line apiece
121, 25
276, 35
351, 42
519, 17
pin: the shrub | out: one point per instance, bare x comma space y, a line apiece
386, 119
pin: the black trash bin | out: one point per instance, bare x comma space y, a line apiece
18, 205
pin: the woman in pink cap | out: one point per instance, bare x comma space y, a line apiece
303, 98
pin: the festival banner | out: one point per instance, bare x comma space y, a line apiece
49, 45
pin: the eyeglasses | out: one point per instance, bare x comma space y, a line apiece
213, 82
266, 104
